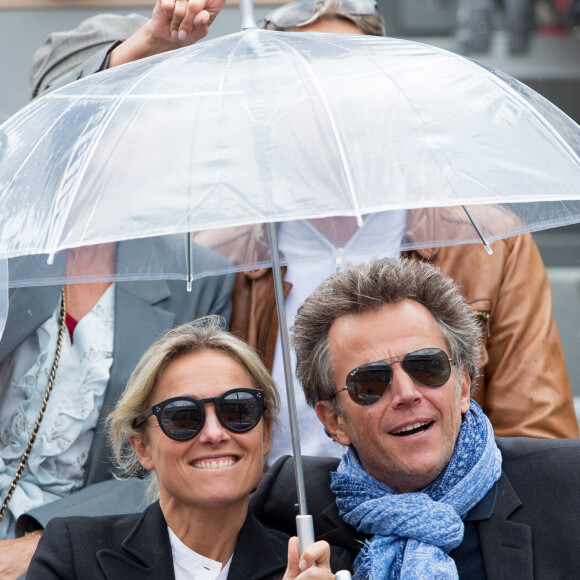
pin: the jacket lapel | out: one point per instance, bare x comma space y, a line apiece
255, 539
29, 309
506, 546
144, 553
136, 306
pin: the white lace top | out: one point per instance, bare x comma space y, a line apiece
57, 462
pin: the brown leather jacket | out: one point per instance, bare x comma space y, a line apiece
524, 386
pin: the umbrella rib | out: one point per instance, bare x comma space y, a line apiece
496, 79
401, 92
36, 145
335, 131
220, 98
478, 230
540, 117
327, 39
57, 231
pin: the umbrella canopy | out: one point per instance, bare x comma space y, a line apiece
265, 126
262, 127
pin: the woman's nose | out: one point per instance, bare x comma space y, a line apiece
212, 431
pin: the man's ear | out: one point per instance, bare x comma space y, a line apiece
332, 421
465, 394
139, 443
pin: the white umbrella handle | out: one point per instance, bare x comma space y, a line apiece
305, 530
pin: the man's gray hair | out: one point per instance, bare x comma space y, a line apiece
369, 287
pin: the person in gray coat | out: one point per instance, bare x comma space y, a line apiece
102, 327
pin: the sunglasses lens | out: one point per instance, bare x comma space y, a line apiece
298, 13
293, 14
367, 385
359, 7
429, 366
240, 411
181, 420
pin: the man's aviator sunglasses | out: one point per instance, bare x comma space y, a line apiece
304, 12
367, 384
182, 418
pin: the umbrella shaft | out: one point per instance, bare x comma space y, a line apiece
247, 14
288, 374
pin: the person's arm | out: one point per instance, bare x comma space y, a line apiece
53, 557
173, 24
104, 498
15, 555
108, 497
108, 40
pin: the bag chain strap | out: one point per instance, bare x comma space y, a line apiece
26, 454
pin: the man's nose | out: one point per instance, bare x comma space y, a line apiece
404, 390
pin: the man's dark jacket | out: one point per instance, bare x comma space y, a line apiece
534, 530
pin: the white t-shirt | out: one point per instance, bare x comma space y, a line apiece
310, 259
189, 565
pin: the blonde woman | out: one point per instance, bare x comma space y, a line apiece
197, 413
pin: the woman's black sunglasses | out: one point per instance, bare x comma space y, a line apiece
367, 384
182, 418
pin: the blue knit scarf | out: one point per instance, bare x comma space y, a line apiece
413, 533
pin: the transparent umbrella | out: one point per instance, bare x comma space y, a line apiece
261, 127
271, 126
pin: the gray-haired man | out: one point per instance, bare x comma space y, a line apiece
387, 353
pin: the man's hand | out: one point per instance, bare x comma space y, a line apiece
300, 568
15, 555
173, 24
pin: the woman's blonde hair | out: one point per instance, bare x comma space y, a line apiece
200, 335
